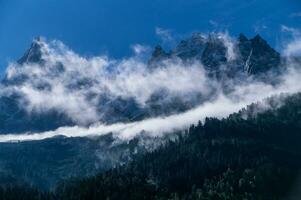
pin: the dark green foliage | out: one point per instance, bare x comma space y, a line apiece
23, 193
229, 159
234, 158
44, 163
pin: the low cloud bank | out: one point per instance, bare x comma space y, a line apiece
67, 80
75, 85
221, 107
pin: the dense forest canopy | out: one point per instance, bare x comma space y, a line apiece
239, 157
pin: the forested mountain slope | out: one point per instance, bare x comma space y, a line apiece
255, 156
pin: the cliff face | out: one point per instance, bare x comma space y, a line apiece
253, 56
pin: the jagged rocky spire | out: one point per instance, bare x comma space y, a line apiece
158, 55
259, 55
242, 38
212, 52
34, 53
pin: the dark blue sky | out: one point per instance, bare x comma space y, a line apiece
91, 27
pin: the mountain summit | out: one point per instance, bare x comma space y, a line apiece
46, 94
253, 56
257, 54
34, 53
222, 58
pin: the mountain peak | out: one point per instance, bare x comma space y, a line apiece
191, 47
158, 51
34, 53
198, 37
258, 55
242, 38
258, 39
158, 55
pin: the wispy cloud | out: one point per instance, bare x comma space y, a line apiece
164, 34
294, 45
221, 107
73, 84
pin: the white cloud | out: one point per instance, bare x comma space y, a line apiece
229, 44
293, 47
73, 84
222, 106
139, 49
168, 40
295, 32
130, 78
165, 34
